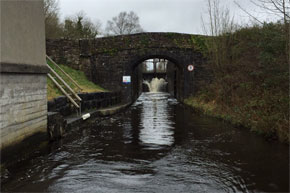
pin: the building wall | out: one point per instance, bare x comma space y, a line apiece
22, 32
23, 90
23, 106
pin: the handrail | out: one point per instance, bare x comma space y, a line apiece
63, 91
63, 72
72, 91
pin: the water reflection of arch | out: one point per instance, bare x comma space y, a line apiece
156, 127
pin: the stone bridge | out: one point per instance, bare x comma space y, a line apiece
106, 60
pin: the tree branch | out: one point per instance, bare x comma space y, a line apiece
255, 18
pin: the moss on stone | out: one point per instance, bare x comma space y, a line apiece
127, 42
199, 43
179, 42
110, 51
170, 35
145, 41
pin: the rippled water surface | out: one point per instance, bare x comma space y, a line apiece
157, 145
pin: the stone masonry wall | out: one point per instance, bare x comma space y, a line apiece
23, 106
106, 60
90, 101
74, 53
64, 52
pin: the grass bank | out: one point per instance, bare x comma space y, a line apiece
78, 76
251, 81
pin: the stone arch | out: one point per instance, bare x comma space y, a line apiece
174, 79
106, 60
140, 59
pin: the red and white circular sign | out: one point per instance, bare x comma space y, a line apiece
190, 67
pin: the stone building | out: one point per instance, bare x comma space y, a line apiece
23, 95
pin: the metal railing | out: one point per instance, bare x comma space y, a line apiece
63, 86
68, 76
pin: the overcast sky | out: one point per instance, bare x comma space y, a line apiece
182, 16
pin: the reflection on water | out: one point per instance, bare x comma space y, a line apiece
157, 128
157, 145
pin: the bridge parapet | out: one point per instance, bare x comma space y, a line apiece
113, 44
144, 41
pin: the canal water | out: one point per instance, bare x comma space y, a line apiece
157, 145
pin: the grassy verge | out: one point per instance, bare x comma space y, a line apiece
251, 82
78, 76
261, 120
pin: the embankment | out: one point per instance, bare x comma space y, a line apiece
251, 80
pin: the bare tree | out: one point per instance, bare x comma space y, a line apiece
80, 26
91, 29
50, 8
68, 28
219, 19
220, 27
52, 23
124, 23
277, 7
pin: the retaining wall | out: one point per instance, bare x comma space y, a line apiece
90, 101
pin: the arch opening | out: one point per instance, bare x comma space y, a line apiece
156, 74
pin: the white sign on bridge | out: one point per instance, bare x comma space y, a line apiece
126, 79
190, 67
